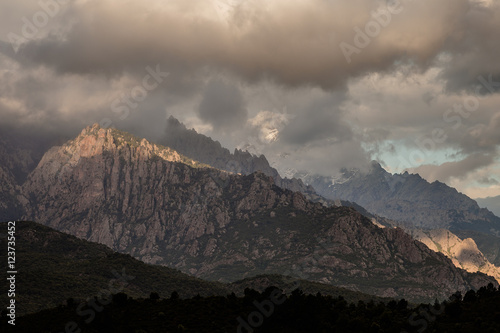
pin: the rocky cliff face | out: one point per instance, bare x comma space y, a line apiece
464, 253
163, 208
10, 208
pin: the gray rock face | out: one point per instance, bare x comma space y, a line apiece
409, 198
163, 208
14, 164
10, 207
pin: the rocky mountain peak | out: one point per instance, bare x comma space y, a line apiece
95, 141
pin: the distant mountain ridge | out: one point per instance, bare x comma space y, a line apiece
161, 207
410, 199
202, 148
491, 203
464, 253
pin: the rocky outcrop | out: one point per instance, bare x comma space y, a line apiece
463, 253
161, 207
10, 207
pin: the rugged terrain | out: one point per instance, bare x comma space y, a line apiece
161, 207
464, 253
20, 152
409, 199
54, 266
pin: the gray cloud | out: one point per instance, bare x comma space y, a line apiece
259, 56
488, 181
223, 106
472, 48
459, 169
320, 120
258, 41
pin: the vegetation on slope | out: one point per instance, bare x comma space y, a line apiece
53, 266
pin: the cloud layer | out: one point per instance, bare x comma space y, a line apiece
326, 83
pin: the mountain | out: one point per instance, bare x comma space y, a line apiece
464, 253
161, 207
202, 148
492, 203
410, 199
10, 207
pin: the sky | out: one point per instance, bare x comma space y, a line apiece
315, 85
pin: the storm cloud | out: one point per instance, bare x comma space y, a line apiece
223, 106
328, 84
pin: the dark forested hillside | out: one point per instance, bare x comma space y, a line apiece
273, 312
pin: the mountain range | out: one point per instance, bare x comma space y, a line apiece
402, 200
202, 148
161, 207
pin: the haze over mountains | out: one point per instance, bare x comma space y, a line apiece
161, 207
